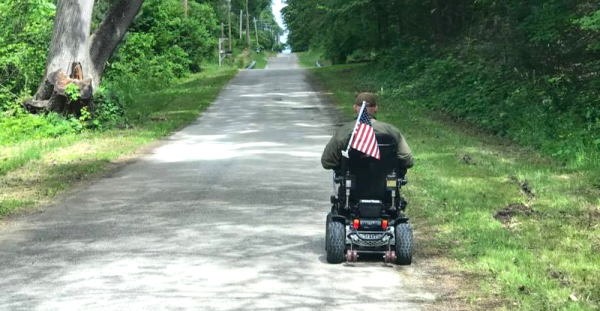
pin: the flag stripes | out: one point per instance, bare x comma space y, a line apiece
364, 136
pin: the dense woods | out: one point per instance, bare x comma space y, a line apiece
167, 40
527, 70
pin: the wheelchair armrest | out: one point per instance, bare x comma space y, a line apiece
337, 176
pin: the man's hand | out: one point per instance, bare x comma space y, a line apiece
402, 172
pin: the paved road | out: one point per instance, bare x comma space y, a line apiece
228, 214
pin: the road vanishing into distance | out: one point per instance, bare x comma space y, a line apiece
226, 214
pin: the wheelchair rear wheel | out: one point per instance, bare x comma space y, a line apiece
335, 241
404, 244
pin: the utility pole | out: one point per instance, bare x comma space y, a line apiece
229, 19
247, 26
241, 19
221, 44
256, 32
185, 8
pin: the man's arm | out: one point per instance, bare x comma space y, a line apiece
332, 156
405, 157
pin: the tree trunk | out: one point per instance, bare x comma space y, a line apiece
247, 26
77, 57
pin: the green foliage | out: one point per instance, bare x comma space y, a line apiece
309, 58
20, 126
525, 70
163, 46
25, 29
591, 22
194, 37
108, 111
72, 92
545, 114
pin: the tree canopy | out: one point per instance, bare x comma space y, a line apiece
541, 35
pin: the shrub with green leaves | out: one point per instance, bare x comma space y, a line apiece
161, 46
546, 113
108, 111
25, 29
173, 33
20, 126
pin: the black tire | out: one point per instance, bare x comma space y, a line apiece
327, 221
404, 244
335, 242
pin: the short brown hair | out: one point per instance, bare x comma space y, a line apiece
368, 98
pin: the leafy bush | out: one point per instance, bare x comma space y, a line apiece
161, 47
108, 111
22, 126
25, 29
196, 34
360, 56
545, 112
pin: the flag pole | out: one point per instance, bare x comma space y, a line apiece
345, 153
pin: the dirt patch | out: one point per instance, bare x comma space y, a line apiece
524, 187
593, 216
158, 119
436, 272
557, 275
467, 160
506, 214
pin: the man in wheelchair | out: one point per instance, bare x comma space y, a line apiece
367, 214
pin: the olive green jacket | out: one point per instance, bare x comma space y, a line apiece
332, 156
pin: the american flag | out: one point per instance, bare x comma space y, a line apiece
363, 138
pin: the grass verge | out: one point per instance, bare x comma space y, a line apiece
36, 171
262, 58
525, 226
246, 57
309, 59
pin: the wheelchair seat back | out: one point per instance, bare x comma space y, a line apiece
370, 173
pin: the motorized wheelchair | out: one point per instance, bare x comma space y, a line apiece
367, 214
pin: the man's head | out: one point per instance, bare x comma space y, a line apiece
369, 99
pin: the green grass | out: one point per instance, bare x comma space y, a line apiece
462, 178
33, 172
245, 57
17, 155
309, 58
262, 58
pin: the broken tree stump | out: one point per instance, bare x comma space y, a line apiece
52, 96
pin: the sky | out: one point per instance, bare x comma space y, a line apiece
277, 6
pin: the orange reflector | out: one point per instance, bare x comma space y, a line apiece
356, 223
384, 224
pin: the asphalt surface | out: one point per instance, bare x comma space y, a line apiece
227, 214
